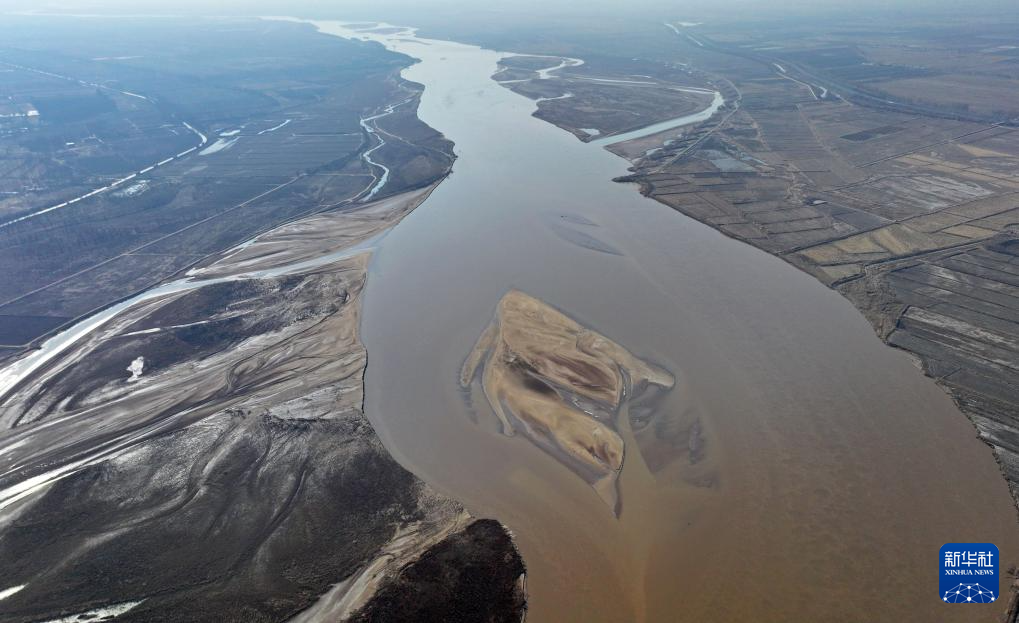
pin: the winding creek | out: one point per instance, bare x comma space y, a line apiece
831, 473
830, 470
368, 125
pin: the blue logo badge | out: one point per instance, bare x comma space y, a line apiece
969, 573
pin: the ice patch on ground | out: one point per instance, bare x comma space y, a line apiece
136, 368
101, 614
218, 146
133, 190
7, 592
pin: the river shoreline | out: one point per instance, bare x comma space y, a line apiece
233, 447
279, 373
795, 407
789, 445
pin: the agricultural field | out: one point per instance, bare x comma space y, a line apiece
124, 162
959, 70
894, 182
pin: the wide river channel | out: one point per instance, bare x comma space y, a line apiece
833, 471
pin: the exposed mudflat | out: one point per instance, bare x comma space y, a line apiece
309, 239
203, 456
473, 574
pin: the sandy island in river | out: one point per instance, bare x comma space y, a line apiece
561, 385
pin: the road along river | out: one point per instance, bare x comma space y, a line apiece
818, 472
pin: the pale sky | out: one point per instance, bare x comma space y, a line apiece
467, 8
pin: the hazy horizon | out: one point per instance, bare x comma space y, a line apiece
445, 9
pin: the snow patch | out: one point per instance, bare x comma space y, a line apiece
103, 614
7, 592
136, 368
218, 146
133, 190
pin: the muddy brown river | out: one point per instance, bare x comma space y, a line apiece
829, 470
